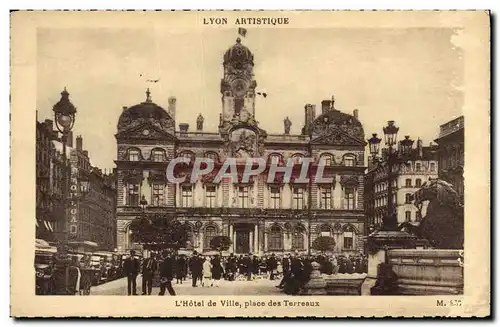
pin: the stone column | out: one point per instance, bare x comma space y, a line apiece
265, 241
250, 242
256, 240
234, 244
201, 241
231, 237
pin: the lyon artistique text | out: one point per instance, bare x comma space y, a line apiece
247, 21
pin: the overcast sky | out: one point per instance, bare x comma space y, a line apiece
412, 76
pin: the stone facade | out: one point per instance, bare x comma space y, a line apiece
423, 164
258, 216
451, 154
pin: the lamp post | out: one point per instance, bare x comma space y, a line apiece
393, 158
64, 114
388, 237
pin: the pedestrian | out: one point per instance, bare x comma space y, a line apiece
207, 272
349, 266
217, 270
131, 268
232, 267
148, 270
272, 265
286, 263
248, 266
196, 267
181, 269
166, 274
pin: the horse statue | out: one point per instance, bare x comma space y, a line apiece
443, 225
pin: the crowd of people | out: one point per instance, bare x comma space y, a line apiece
292, 269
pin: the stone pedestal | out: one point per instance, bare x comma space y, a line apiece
378, 244
316, 284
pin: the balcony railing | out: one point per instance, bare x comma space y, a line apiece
249, 212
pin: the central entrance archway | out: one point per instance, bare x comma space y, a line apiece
243, 238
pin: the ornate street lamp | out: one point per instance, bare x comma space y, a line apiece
64, 114
393, 158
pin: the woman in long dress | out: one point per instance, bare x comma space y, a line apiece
207, 272
217, 270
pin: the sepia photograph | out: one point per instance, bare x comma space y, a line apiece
276, 156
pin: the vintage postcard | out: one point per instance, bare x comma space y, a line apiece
250, 164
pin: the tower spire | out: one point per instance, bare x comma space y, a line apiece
148, 95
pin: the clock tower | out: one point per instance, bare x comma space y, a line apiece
238, 85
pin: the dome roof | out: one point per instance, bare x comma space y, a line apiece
142, 112
238, 52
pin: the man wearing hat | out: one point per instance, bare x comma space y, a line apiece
131, 268
196, 267
166, 274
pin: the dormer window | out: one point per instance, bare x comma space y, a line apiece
158, 155
349, 161
326, 159
133, 155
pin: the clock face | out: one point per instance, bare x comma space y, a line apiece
145, 132
239, 87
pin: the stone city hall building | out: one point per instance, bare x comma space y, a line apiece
259, 217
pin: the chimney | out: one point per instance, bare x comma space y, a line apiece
79, 143
171, 106
124, 108
183, 128
420, 148
355, 113
310, 114
325, 106
69, 140
49, 125
86, 153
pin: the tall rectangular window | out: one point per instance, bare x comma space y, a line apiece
275, 197
349, 161
158, 194
186, 195
407, 215
349, 198
210, 195
348, 240
408, 182
243, 196
298, 198
326, 198
133, 195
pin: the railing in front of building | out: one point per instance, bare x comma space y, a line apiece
248, 212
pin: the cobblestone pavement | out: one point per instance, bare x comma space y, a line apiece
254, 287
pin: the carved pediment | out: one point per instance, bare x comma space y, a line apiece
337, 137
132, 176
157, 176
349, 181
145, 131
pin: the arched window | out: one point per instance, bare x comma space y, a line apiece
298, 238
275, 239
326, 159
275, 159
212, 155
408, 197
134, 155
187, 154
210, 233
158, 155
325, 230
349, 160
348, 236
297, 158
418, 182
